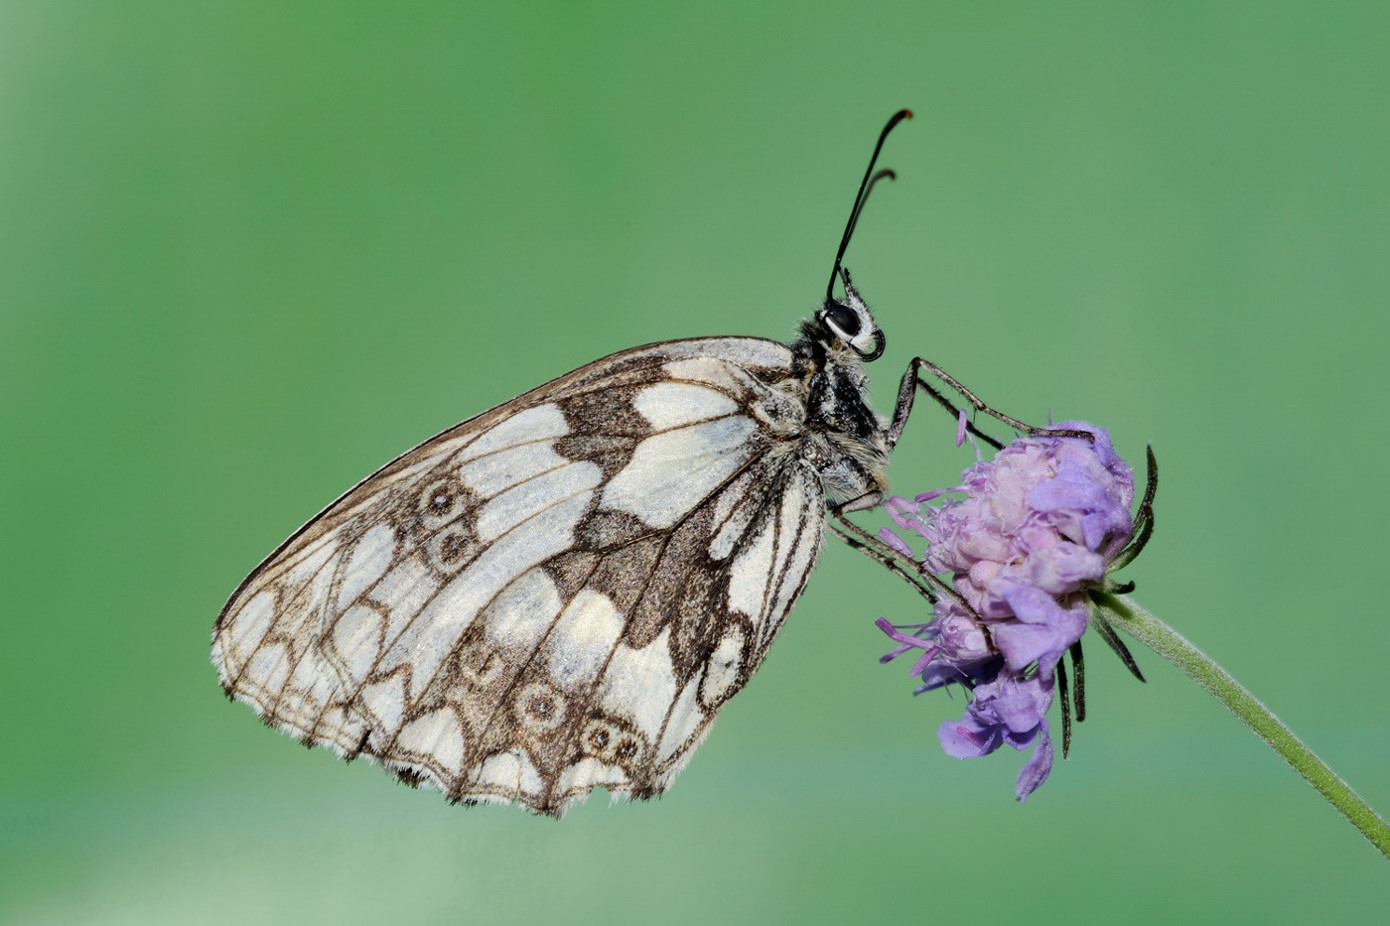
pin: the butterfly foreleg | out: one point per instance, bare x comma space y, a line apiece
913, 380
907, 392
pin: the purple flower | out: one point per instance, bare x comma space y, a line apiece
1035, 530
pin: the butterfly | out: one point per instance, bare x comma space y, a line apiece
561, 593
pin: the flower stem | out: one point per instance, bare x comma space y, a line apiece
1121, 612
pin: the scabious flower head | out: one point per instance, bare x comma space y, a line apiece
1035, 529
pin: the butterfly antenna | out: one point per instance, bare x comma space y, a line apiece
867, 184
885, 174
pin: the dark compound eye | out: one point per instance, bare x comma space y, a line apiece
842, 319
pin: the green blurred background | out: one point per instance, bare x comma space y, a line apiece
250, 252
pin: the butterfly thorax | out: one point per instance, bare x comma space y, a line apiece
845, 438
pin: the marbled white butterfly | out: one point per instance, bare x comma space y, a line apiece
561, 593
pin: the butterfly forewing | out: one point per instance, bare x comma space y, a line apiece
554, 595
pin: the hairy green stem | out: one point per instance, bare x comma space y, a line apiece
1123, 613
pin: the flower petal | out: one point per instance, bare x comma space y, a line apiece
968, 739
894, 541
1038, 766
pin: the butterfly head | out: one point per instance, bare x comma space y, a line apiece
850, 322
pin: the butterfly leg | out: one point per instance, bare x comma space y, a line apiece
883, 554
905, 567
929, 586
913, 380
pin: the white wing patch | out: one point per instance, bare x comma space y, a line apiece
559, 498
355, 644
383, 703
435, 741
528, 426
367, 563
520, 615
554, 596
491, 474
751, 571
673, 471
722, 673
676, 404
400, 594
640, 684
583, 637
685, 720
253, 621
510, 775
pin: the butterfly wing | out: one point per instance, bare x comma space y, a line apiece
555, 595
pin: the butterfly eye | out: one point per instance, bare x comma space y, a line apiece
841, 319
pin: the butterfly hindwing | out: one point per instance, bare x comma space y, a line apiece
557, 594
